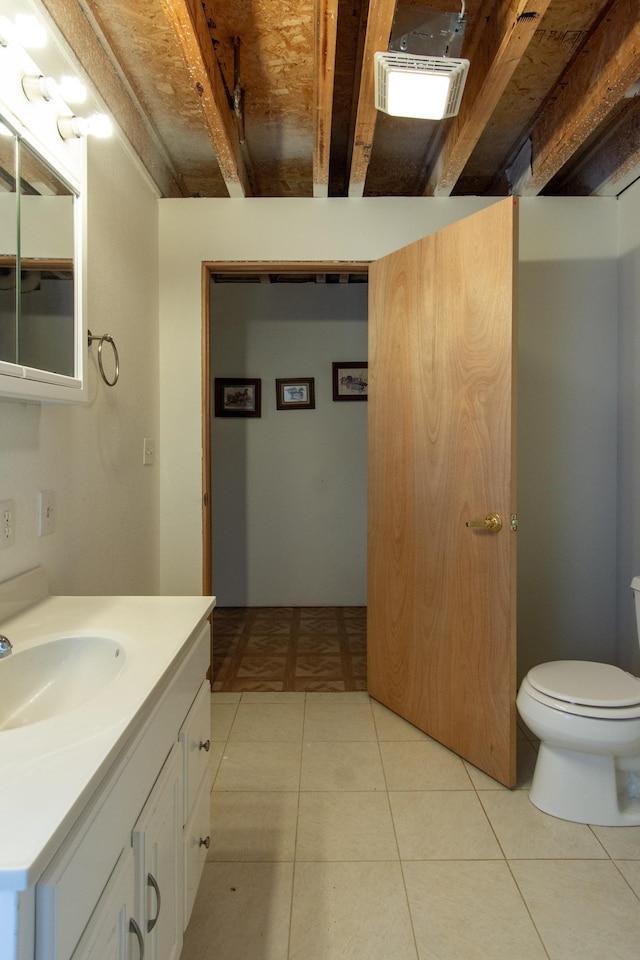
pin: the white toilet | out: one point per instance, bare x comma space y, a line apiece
587, 716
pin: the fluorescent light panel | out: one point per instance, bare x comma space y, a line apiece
425, 88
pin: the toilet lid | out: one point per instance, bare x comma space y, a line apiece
581, 681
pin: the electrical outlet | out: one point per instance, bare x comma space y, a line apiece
8, 524
46, 515
148, 451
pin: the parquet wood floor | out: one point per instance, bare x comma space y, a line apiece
289, 648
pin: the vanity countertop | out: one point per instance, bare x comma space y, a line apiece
50, 769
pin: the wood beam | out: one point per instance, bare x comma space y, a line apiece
187, 19
596, 80
613, 165
266, 267
325, 33
79, 32
499, 43
379, 23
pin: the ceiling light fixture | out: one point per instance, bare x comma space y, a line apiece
420, 76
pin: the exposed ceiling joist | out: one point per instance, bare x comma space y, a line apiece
613, 165
325, 35
90, 48
598, 77
379, 23
497, 48
189, 24
301, 120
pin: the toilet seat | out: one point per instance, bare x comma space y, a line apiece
586, 689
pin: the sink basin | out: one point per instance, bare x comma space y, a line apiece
55, 676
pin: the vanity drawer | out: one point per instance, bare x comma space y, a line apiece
195, 736
196, 839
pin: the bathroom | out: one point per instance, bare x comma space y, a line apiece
122, 527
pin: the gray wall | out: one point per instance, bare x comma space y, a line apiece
289, 488
628, 527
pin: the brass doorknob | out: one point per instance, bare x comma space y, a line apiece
492, 522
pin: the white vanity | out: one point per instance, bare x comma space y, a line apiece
104, 805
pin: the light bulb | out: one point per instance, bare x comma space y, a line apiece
29, 31
72, 90
100, 125
7, 31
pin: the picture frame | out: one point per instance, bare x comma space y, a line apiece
350, 380
238, 397
295, 393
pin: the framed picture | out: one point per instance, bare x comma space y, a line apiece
350, 380
296, 393
240, 397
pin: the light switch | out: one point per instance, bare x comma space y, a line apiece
46, 515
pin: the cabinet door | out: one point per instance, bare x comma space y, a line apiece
157, 845
111, 933
195, 737
196, 839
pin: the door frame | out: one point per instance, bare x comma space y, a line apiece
246, 268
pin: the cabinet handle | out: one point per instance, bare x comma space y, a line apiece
152, 882
204, 745
205, 842
134, 928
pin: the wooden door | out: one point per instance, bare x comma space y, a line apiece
441, 595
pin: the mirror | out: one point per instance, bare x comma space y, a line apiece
8, 246
46, 321
38, 302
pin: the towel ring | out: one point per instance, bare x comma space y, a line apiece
109, 339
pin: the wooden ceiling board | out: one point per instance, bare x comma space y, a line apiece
276, 70
166, 70
99, 68
144, 48
608, 166
560, 34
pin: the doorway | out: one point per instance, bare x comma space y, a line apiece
292, 586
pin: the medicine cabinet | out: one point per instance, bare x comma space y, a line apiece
42, 178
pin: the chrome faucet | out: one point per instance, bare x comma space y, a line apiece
5, 646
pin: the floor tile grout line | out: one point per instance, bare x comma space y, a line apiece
527, 908
628, 883
488, 819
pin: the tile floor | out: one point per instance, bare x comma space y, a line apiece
340, 832
289, 648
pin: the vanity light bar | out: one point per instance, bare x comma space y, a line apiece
46, 88
27, 31
39, 88
99, 125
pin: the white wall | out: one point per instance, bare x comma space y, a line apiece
568, 309
289, 488
106, 502
629, 425
193, 231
